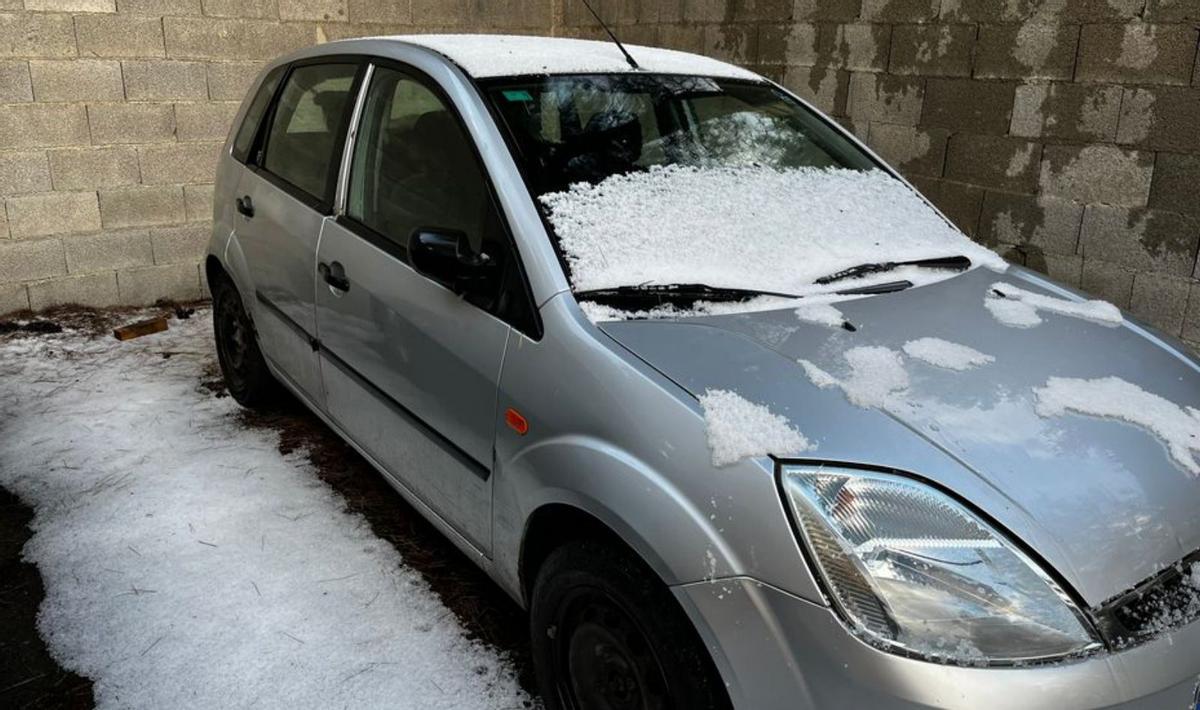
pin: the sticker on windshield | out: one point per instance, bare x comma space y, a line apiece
518, 95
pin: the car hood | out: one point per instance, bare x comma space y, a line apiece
1102, 500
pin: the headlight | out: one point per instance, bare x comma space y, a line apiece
913, 571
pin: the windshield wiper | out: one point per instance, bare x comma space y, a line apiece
955, 263
675, 293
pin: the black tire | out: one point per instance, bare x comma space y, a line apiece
245, 371
608, 635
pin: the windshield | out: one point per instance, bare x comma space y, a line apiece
584, 129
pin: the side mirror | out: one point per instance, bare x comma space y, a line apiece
445, 256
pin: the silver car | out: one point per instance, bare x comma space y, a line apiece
705, 386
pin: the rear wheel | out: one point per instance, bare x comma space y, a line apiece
242, 365
608, 635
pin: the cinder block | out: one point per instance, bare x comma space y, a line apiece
241, 8
1073, 112
910, 150
824, 88
961, 203
855, 47
1065, 269
141, 206
181, 245
326, 10
71, 5
15, 84
744, 11
1006, 164
204, 38
76, 80
968, 105
1160, 300
24, 171
1173, 11
144, 286
175, 163
50, 213
932, 50
900, 10
1140, 239
1049, 224
1097, 173
95, 290
198, 202
827, 10
456, 13
1155, 54
1191, 319
158, 80
131, 123
29, 260
13, 298
159, 8
387, 11
27, 34
229, 81
107, 251
886, 98
1026, 51
119, 36
1163, 118
42, 125
208, 121
687, 38
1176, 183
731, 43
90, 168
1108, 281
784, 44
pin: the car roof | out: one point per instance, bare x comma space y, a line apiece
489, 56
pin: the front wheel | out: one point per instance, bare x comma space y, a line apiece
242, 365
608, 635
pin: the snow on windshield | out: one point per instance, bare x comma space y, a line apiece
1112, 397
739, 429
745, 227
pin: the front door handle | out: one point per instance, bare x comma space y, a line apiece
335, 275
245, 206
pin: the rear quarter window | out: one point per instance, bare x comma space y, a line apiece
244, 138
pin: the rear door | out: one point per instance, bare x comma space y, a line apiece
411, 368
283, 198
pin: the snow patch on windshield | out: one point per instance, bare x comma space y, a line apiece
821, 314
1019, 308
943, 353
739, 429
1112, 397
745, 227
876, 378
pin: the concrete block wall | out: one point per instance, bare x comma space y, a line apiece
1063, 133
112, 113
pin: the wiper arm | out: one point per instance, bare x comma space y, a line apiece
955, 263
677, 292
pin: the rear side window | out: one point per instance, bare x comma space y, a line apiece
307, 127
254, 115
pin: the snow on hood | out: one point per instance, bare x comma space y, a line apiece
1019, 308
745, 227
738, 429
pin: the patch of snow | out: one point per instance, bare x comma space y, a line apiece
739, 429
746, 227
188, 563
876, 377
1194, 575
944, 353
1019, 308
821, 314
599, 313
485, 56
1112, 397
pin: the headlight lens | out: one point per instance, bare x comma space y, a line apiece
914, 571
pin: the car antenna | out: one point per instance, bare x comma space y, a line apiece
628, 56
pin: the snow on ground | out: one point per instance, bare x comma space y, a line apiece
747, 227
189, 564
943, 353
1019, 308
1177, 427
739, 429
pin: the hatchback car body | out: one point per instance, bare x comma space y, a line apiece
929, 485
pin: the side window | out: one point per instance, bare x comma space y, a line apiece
307, 127
414, 167
254, 115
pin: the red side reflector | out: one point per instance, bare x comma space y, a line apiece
516, 422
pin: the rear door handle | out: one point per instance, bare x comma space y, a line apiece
335, 275
245, 206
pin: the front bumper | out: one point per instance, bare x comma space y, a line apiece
776, 650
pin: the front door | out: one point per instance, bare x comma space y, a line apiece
410, 368
283, 197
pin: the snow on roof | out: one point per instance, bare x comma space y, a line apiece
739, 429
486, 56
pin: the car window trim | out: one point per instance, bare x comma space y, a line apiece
245, 159
323, 204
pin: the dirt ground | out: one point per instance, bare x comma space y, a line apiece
30, 677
